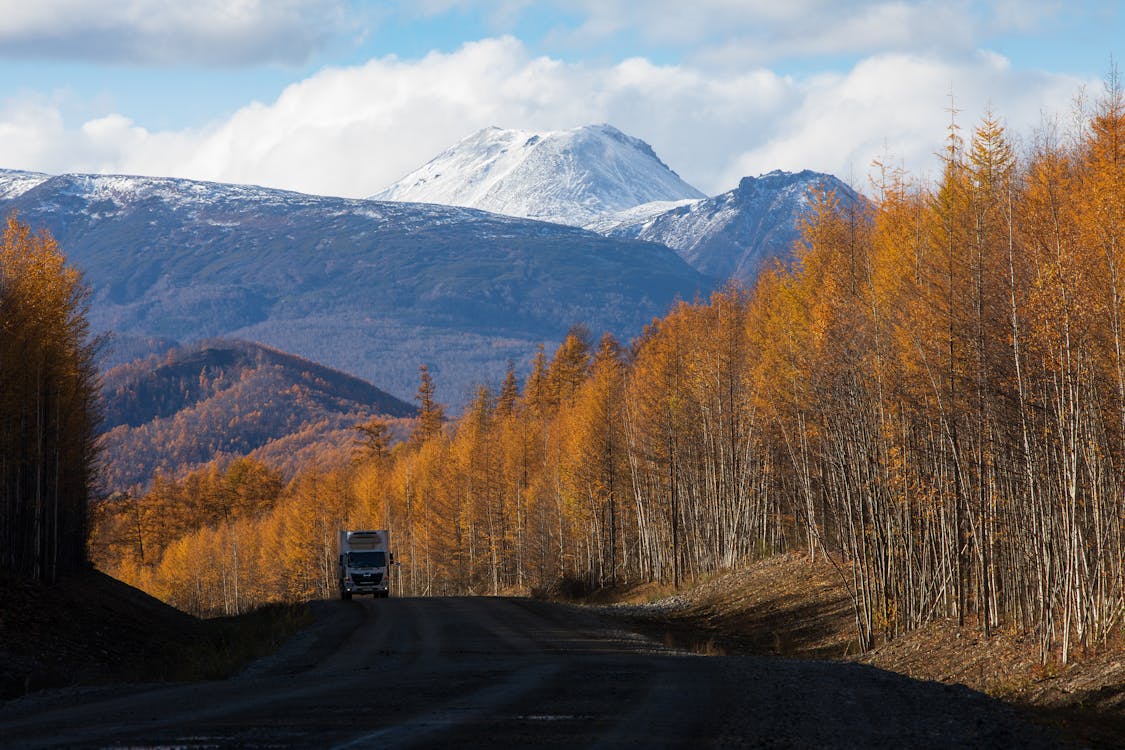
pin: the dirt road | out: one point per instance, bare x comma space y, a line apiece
506, 673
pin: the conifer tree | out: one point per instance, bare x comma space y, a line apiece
374, 439
570, 365
509, 392
47, 407
431, 414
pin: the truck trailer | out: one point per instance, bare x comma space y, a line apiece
365, 563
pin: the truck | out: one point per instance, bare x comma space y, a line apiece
365, 563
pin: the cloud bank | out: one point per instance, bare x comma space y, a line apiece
169, 32
352, 131
761, 32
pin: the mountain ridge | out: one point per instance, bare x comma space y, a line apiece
558, 177
131, 393
371, 288
731, 235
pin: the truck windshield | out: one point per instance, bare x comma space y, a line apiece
367, 559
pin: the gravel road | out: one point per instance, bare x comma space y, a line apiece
505, 673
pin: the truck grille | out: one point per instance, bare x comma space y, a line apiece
367, 578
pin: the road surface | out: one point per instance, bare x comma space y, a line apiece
510, 673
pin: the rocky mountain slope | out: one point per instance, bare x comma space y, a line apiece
568, 177
372, 288
733, 234
14, 182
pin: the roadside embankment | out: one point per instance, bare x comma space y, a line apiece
92, 629
786, 606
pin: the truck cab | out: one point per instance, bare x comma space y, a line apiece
364, 564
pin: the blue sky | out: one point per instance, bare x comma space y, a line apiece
340, 97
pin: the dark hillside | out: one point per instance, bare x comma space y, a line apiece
120, 348
162, 385
225, 398
91, 628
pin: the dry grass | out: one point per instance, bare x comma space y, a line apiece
1085, 698
781, 605
786, 606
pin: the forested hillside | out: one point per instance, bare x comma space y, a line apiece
220, 399
932, 395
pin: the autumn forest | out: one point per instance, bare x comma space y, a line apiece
47, 407
931, 395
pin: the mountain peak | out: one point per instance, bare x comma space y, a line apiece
731, 235
564, 176
779, 179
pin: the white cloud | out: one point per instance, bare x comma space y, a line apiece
165, 32
760, 32
352, 131
898, 106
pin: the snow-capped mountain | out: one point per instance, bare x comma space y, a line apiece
733, 234
568, 177
14, 182
371, 288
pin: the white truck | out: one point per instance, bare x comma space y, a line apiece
365, 563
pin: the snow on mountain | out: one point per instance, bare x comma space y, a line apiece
14, 182
731, 235
371, 288
635, 216
568, 177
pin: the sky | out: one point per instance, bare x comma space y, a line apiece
344, 97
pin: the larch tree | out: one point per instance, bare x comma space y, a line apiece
431, 414
48, 410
